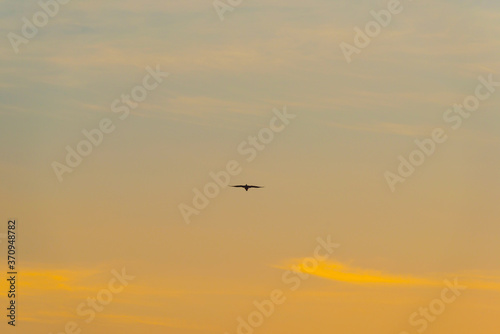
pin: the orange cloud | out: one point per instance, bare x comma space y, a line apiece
337, 271
40, 281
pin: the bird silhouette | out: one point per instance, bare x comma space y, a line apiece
246, 186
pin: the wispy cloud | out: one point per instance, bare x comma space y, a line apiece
386, 128
337, 271
41, 281
153, 321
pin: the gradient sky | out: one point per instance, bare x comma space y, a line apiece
324, 173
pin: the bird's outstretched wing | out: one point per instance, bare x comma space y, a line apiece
238, 186
255, 187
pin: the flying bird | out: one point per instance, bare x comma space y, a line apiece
246, 186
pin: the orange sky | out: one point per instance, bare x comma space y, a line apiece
105, 247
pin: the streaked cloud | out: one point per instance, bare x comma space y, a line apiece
386, 128
341, 272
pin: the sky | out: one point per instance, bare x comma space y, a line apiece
377, 150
